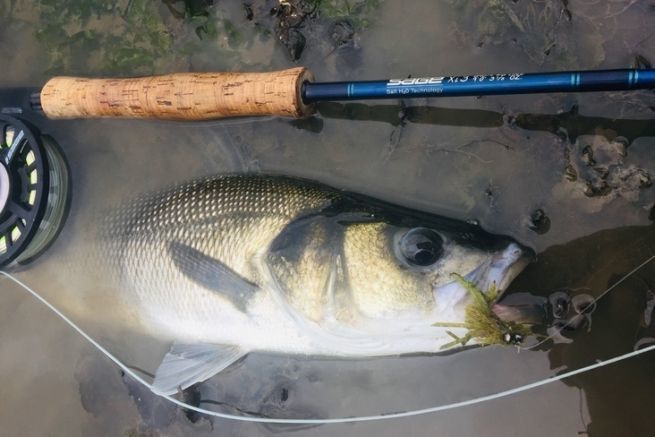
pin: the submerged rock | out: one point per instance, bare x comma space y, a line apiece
342, 33
597, 169
539, 221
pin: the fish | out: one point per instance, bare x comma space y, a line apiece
228, 265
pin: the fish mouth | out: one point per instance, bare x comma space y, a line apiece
503, 267
494, 275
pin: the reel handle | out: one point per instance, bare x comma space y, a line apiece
179, 96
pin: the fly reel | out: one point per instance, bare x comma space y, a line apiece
34, 191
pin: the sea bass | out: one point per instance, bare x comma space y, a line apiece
234, 264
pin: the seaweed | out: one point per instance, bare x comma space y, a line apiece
196, 13
126, 37
136, 37
357, 12
76, 38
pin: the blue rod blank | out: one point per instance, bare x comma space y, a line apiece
481, 85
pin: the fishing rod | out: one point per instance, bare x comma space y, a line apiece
34, 178
293, 92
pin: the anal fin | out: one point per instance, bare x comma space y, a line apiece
188, 364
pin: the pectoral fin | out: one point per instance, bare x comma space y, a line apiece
188, 364
212, 274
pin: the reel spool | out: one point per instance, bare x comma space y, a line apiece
34, 192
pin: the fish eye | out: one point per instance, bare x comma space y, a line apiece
421, 247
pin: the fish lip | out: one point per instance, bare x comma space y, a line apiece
495, 274
526, 257
522, 308
503, 267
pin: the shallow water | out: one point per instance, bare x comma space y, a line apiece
494, 159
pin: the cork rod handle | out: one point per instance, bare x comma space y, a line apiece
180, 96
